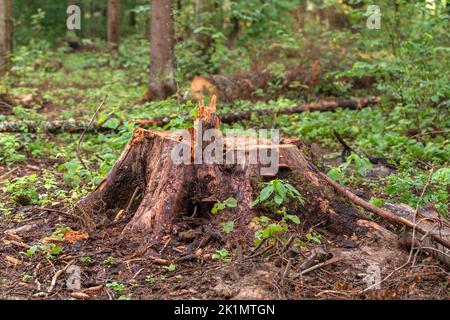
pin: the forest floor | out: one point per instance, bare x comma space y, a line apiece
42, 178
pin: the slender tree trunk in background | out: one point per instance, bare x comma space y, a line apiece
202, 8
114, 23
6, 39
301, 14
235, 28
162, 70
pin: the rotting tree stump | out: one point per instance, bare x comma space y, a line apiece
157, 193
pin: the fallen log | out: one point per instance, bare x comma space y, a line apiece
56, 126
78, 126
244, 86
322, 106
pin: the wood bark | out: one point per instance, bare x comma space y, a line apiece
114, 23
162, 70
171, 193
58, 126
6, 35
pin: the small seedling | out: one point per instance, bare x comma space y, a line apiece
150, 279
221, 205
26, 278
314, 237
222, 255
86, 260
117, 287
110, 261
171, 267
228, 226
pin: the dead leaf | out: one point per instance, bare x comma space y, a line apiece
74, 236
51, 239
80, 295
94, 289
13, 260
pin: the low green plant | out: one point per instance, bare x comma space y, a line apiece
9, 146
222, 255
361, 165
407, 186
86, 260
118, 287
228, 226
110, 261
26, 278
277, 192
49, 250
314, 237
170, 267
221, 205
150, 280
276, 196
23, 189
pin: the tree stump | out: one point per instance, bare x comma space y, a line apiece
157, 193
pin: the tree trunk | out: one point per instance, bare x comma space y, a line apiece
6, 37
114, 23
202, 9
162, 196
162, 71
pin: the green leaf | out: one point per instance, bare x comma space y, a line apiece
278, 199
280, 189
171, 267
313, 237
291, 188
295, 219
228, 226
218, 206
335, 174
270, 230
376, 202
111, 123
266, 193
231, 203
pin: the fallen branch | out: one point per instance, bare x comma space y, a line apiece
317, 266
57, 275
381, 212
78, 126
321, 106
56, 126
